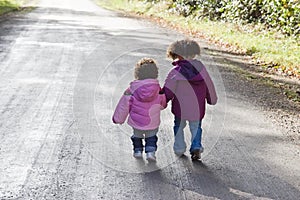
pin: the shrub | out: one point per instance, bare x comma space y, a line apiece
283, 15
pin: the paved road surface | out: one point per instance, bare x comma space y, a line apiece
63, 69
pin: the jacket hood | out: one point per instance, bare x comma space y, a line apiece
189, 70
145, 90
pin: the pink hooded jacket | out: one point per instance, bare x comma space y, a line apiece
143, 103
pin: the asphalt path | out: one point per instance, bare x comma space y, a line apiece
64, 67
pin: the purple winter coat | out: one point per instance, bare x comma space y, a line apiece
143, 103
188, 85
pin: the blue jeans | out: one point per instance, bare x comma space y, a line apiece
196, 131
150, 140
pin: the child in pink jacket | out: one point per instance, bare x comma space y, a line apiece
143, 103
189, 87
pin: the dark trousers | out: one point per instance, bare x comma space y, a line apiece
150, 142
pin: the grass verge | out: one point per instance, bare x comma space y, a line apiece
270, 50
8, 6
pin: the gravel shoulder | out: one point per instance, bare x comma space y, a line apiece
266, 91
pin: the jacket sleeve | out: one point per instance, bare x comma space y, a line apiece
122, 110
211, 95
170, 86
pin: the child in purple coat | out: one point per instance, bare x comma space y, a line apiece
143, 103
189, 86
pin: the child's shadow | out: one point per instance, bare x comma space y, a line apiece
148, 166
198, 163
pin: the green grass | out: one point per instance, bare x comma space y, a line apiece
268, 48
8, 6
